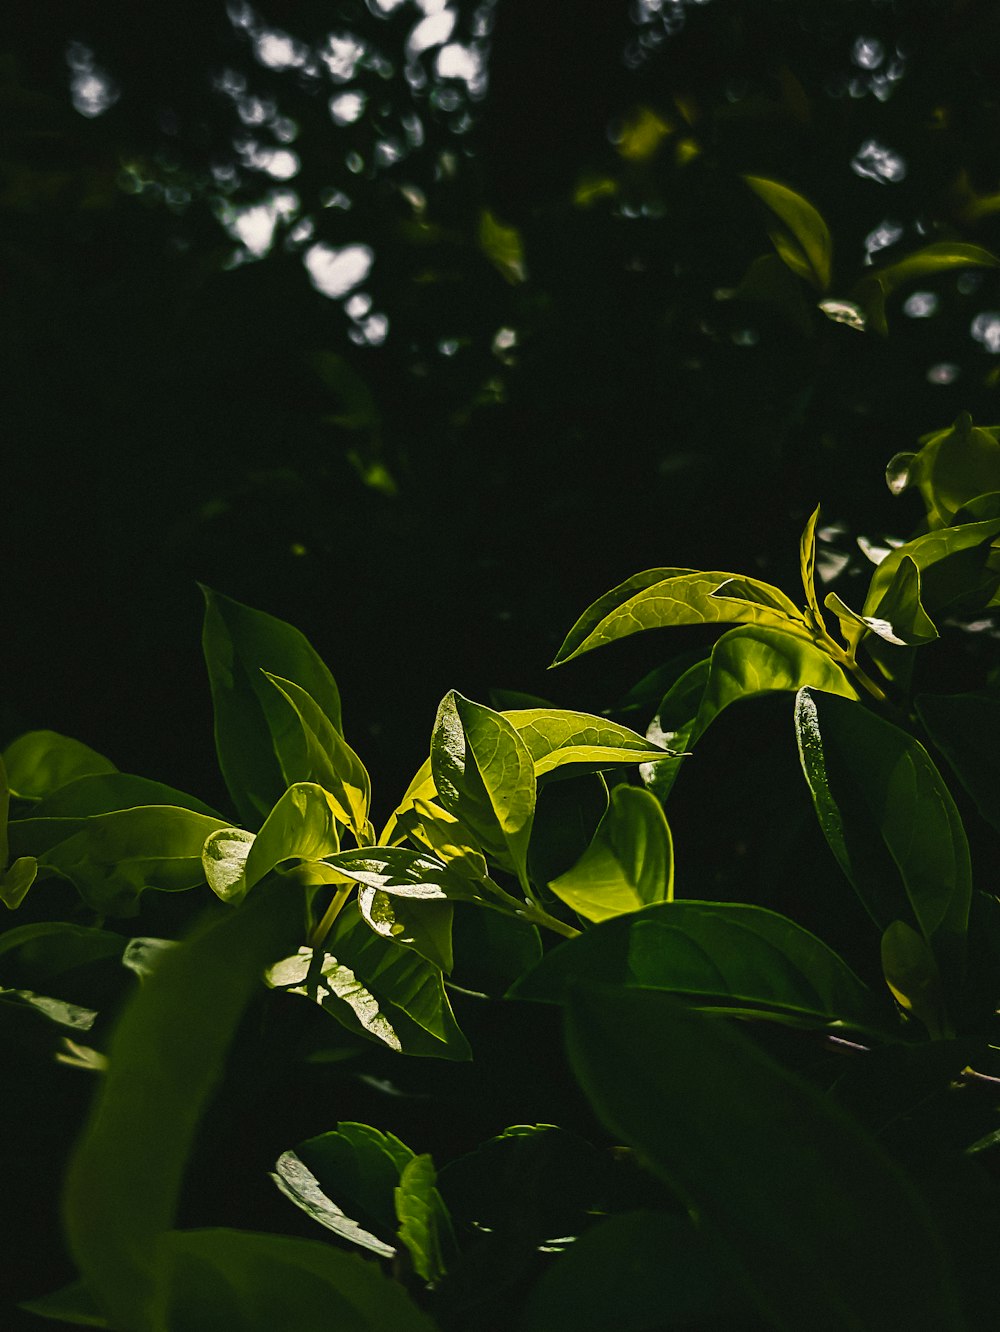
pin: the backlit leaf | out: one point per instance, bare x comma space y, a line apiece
556, 739
803, 238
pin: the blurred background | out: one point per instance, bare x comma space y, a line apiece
421, 323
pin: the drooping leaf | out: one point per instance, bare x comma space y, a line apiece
59, 1011
803, 239
628, 865
966, 729
899, 617
485, 777
424, 1223
41, 762
772, 1170
873, 783
329, 759
115, 857
725, 956
165, 1058
556, 739
246, 1282
932, 554
345, 1180
256, 730
662, 597
376, 989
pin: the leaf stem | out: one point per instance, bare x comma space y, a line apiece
319, 933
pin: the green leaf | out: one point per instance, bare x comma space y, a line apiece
724, 956
873, 783
673, 727
246, 1282
662, 597
485, 777
492, 949
329, 759
376, 989
435, 830
966, 729
358, 1166
807, 564
566, 819
803, 240
899, 617
503, 247
256, 730
556, 739
115, 857
939, 257
15, 879
912, 975
953, 468
771, 1169
932, 554
71, 1304
633, 1272
41, 762
628, 865
424, 1223
165, 1059
104, 793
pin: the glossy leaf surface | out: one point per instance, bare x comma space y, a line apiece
377, 989
557, 739
773, 1173
628, 865
728, 956
255, 728
679, 597
485, 776
871, 782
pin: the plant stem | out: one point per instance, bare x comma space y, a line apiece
318, 935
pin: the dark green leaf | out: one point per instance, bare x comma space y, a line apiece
491, 949
628, 865
770, 1167
637, 1272
103, 793
256, 729
931, 553
72, 1304
727, 956
43, 761
346, 1180
165, 1058
871, 782
673, 726
803, 238
377, 989
966, 729
115, 857
245, 1282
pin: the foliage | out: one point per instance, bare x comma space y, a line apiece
828, 1175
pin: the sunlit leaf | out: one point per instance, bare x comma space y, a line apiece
664, 597
768, 1164
328, 759
803, 240
953, 467
934, 554
898, 618
628, 865
485, 777
256, 730
556, 739
729, 957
